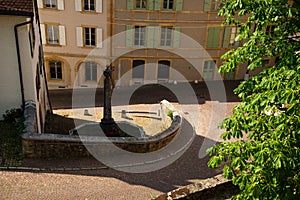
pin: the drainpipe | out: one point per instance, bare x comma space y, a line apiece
19, 59
44, 70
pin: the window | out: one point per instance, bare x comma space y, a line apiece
50, 3
168, 4
55, 69
234, 33
166, 36
90, 71
209, 70
138, 68
212, 5
163, 70
139, 35
213, 37
90, 36
52, 34
141, 4
89, 5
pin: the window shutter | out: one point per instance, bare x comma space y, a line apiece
78, 6
129, 32
43, 33
79, 38
179, 4
151, 4
213, 37
152, 37
176, 40
99, 38
62, 35
60, 5
206, 5
99, 6
226, 37
40, 3
129, 4
157, 4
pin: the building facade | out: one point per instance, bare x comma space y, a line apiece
23, 79
171, 41
73, 33
147, 41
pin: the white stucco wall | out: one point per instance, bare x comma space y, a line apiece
9, 73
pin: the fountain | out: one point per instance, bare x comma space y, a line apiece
108, 126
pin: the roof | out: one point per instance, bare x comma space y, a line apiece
16, 7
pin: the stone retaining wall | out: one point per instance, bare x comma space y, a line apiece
216, 187
70, 146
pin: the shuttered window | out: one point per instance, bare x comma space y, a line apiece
226, 37
212, 5
90, 71
213, 37
89, 5
166, 36
139, 35
89, 37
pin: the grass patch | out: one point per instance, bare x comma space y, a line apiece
10, 143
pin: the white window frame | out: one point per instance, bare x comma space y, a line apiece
89, 5
139, 35
92, 69
56, 69
51, 4
88, 37
167, 3
141, 4
166, 36
51, 37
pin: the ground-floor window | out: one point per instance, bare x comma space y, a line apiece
209, 69
55, 69
90, 71
138, 69
163, 71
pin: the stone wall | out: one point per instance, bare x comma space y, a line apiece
70, 146
216, 187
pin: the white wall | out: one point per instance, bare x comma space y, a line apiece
9, 74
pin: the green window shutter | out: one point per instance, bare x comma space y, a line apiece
157, 4
128, 34
152, 36
226, 37
176, 40
206, 5
151, 4
179, 4
130, 4
213, 37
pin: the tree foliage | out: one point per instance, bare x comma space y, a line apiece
265, 161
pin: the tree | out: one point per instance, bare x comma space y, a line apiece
265, 159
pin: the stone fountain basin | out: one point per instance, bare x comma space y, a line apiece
94, 129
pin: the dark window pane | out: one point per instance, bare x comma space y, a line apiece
138, 69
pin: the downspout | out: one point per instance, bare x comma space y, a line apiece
19, 59
42, 49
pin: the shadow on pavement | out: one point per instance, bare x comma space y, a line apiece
185, 170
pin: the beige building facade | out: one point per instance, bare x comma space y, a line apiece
171, 41
73, 33
147, 41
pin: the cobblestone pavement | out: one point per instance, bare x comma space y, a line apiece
112, 184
